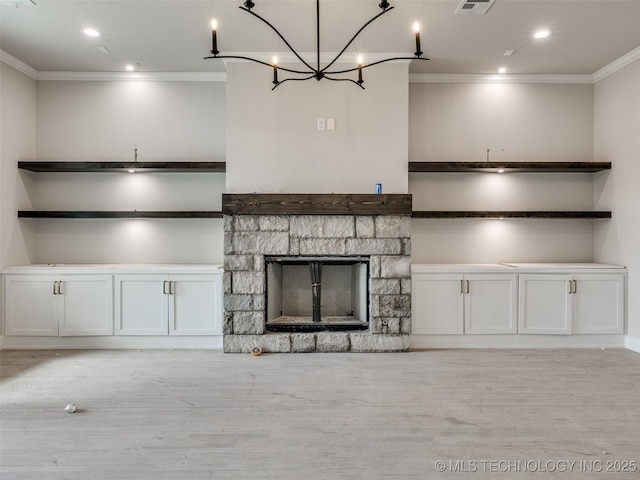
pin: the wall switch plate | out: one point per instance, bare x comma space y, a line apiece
321, 124
331, 123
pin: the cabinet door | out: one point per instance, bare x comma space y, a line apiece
30, 306
142, 305
598, 304
490, 304
87, 305
544, 304
437, 304
195, 305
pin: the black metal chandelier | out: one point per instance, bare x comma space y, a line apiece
318, 72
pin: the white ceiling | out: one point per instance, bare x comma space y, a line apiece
174, 36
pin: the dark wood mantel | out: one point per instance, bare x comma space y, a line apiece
315, 204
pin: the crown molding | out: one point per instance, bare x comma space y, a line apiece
135, 76
311, 57
347, 57
617, 64
19, 65
497, 78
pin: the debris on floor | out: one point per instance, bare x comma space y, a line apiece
71, 408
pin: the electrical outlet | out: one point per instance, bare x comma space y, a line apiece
321, 124
331, 123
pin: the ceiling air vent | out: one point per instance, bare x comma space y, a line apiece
476, 7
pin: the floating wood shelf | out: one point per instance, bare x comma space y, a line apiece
117, 214
509, 214
316, 204
493, 167
169, 167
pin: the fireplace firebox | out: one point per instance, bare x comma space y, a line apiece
316, 293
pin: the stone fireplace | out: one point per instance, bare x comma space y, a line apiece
371, 230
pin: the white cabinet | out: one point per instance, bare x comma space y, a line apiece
437, 304
457, 303
545, 305
598, 304
490, 304
64, 305
168, 304
563, 304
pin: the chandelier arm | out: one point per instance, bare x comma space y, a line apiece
354, 37
239, 57
292, 80
280, 35
337, 72
344, 80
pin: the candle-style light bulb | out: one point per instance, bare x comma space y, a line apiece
416, 28
360, 62
275, 70
214, 35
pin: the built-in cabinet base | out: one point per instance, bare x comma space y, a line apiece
518, 305
112, 306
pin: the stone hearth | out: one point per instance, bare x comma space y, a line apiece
385, 239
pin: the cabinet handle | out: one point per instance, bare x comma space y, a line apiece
461, 286
575, 286
59, 288
171, 290
164, 287
54, 287
467, 281
570, 283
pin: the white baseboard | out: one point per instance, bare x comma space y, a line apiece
632, 343
518, 341
213, 342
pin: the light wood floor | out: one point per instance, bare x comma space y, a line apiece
207, 415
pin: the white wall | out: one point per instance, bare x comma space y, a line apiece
617, 140
18, 142
516, 122
273, 144
100, 121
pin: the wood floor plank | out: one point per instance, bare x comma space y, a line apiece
192, 414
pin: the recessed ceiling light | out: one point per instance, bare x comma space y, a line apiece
91, 32
542, 34
502, 70
129, 68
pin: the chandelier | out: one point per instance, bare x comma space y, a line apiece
318, 72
